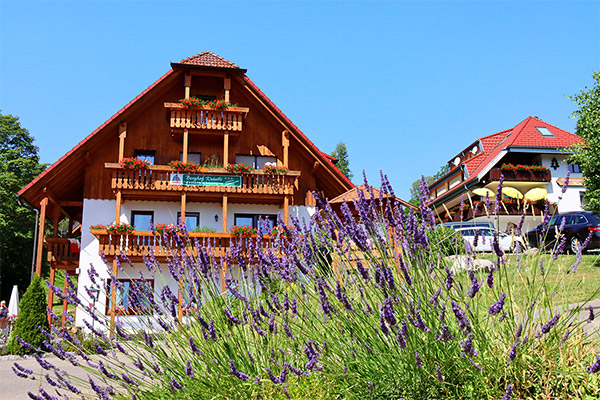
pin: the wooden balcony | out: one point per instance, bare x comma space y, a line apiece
206, 118
157, 179
145, 243
63, 253
519, 176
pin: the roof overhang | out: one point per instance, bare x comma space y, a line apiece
546, 150
175, 65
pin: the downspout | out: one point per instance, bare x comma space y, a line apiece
37, 217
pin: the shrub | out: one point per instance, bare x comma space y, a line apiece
32, 316
446, 241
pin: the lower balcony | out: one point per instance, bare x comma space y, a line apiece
63, 253
142, 244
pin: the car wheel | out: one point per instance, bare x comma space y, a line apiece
574, 244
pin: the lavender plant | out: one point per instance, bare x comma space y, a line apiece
348, 305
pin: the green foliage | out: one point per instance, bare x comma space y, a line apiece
587, 154
32, 315
19, 164
343, 163
446, 241
205, 229
415, 191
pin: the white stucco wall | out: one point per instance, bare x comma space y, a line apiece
570, 200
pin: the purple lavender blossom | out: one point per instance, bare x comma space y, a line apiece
433, 299
387, 310
548, 326
490, 278
449, 279
288, 331
495, 308
467, 346
418, 360
129, 379
189, 371
175, 385
233, 370
591, 314
438, 374
595, 367
475, 284
383, 326
461, 317
509, 392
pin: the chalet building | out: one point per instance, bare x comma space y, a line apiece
532, 156
205, 111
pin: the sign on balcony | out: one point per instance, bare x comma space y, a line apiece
205, 180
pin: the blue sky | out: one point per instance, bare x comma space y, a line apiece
406, 85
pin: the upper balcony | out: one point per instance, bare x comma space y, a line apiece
205, 118
208, 182
521, 173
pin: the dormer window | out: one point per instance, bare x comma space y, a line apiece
544, 131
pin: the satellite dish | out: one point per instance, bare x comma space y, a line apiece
457, 161
474, 150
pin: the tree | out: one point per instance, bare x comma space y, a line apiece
19, 164
343, 164
32, 316
587, 153
415, 189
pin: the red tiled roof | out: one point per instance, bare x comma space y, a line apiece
209, 59
524, 134
352, 195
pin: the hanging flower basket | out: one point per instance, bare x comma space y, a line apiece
134, 163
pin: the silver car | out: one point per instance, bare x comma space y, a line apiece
485, 237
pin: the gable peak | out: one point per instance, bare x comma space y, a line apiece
209, 59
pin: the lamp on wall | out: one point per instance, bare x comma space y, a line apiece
216, 217
554, 163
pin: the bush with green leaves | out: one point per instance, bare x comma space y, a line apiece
446, 241
386, 319
32, 317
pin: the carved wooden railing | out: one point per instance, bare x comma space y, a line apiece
520, 176
146, 243
204, 117
60, 249
157, 178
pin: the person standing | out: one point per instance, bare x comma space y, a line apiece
3, 321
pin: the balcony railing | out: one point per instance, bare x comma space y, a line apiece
206, 118
62, 250
158, 178
146, 243
520, 176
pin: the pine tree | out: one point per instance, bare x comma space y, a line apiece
32, 316
343, 164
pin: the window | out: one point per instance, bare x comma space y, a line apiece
193, 157
264, 222
147, 155
544, 131
582, 198
134, 296
205, 97
192, 220
256, 162
141, 220
574, 168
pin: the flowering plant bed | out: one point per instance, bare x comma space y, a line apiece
521, 167
160, 229
186, 167
134, 163
121, 228
98, 227
275, 170
216, 104
243, 231
241, 168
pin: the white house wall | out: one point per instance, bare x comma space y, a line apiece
570, 200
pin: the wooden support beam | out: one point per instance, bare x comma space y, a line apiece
51, 294
285, 142
227, 87
71, 203
40, 238
122, 136
188, 84
180, 305
55, 221
113, 298
184, 155
225, 150
286, 210
224, 213
183, 204
223, 276
118, 208
315, 167
64, 312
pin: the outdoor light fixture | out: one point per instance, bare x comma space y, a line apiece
554, 163
216, 218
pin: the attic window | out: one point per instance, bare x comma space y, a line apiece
544, 131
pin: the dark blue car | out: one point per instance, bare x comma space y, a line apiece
578, 225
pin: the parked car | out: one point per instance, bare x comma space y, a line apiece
468, 224
485, 236
578, 225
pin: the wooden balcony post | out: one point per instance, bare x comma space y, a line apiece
224, 213
183, 203
285, 141
122, 136
225, 150
286, 209
51, 293
56, 220
223, 276
180, 305
184, 156
118, 208
188, 84
227, 88
40, 238
113, 297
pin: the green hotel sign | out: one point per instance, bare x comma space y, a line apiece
205, 180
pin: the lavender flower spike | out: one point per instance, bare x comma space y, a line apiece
548, 325
236, 373
497, 306
595, 367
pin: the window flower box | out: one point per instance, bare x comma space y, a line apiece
134, 163
241, 168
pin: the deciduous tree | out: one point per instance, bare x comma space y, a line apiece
343, 163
